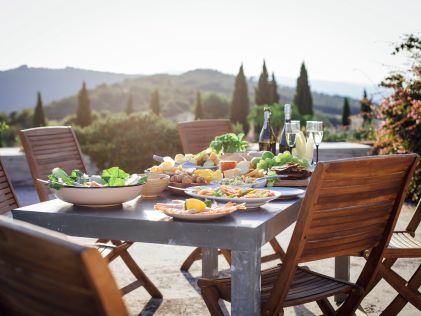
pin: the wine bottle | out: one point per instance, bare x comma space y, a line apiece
267, 137
283, 144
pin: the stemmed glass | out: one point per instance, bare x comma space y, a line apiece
291, 131
315, 131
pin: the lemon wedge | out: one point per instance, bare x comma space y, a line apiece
196, 204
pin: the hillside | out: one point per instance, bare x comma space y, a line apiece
19, 86
177, 94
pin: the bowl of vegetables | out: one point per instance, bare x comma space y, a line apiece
113, 186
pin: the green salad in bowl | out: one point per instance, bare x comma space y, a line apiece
112, 177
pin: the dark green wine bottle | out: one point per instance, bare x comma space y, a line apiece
283, 144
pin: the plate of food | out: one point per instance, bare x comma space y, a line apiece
113, 186
251, 197
206, 159
197, 210
242, 181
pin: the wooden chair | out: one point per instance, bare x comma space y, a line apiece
196, 136
8, 200
42, 273
402, 245
50, 147
350, 206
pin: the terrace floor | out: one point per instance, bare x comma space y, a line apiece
161, 263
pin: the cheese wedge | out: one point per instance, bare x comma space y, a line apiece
232, 173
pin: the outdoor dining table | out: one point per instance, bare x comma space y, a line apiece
243, 232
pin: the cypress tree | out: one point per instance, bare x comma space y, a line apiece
366, 110
346, 112
263, 89
39, 118
198, 110
274, 95
303, 98
154, 105
84, 113
240, 104
129, 107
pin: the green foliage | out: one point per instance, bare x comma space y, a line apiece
237, 128
16, 121
366, 109
155, 105
303, 98
274, 94
229, 143
129, 107
346, 112
198, 109
3, 127
38, 117
83, 113
401, 111
331, 135
364, 133
129, 141
240, 104
263, 89
215, 107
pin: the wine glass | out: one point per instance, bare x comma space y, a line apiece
315, 131
291, 131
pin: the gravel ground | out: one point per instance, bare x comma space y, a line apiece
161, 263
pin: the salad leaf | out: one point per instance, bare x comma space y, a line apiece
229, 143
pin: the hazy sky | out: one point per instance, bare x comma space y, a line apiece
339, 40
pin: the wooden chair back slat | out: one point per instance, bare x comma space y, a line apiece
41, 273
8, 200
196, 136
50, 147
366, 202
350, 206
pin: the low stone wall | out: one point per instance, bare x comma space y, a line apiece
17, 167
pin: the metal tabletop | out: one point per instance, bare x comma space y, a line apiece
243, 232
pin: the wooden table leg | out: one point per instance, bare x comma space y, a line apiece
245, 287
209, 263
342, 265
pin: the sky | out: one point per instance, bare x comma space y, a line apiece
347, 41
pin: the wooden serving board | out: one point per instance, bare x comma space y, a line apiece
292, 183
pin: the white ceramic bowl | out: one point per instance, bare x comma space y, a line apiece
156, 184
98, 197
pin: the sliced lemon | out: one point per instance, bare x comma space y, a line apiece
196, 204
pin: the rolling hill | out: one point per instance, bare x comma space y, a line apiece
178, 93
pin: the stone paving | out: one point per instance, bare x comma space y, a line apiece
161, 263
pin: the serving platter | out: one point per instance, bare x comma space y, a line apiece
288, 193
196, 217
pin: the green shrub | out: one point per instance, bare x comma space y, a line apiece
129, 141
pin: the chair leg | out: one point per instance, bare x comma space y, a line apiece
387, 263
227, 255
326, 307
211, 297
194, 256
140, 275
277, 248
407, 292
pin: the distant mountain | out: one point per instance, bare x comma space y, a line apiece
178, 93
18, 87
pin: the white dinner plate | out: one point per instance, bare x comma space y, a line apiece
288, 192
196, 217
249, 202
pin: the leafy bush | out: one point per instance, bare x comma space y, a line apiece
401, 112
129, 141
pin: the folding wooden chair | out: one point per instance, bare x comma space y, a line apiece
50, 147
196, 136
402, 245
42, 273
8, 200
350, 206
